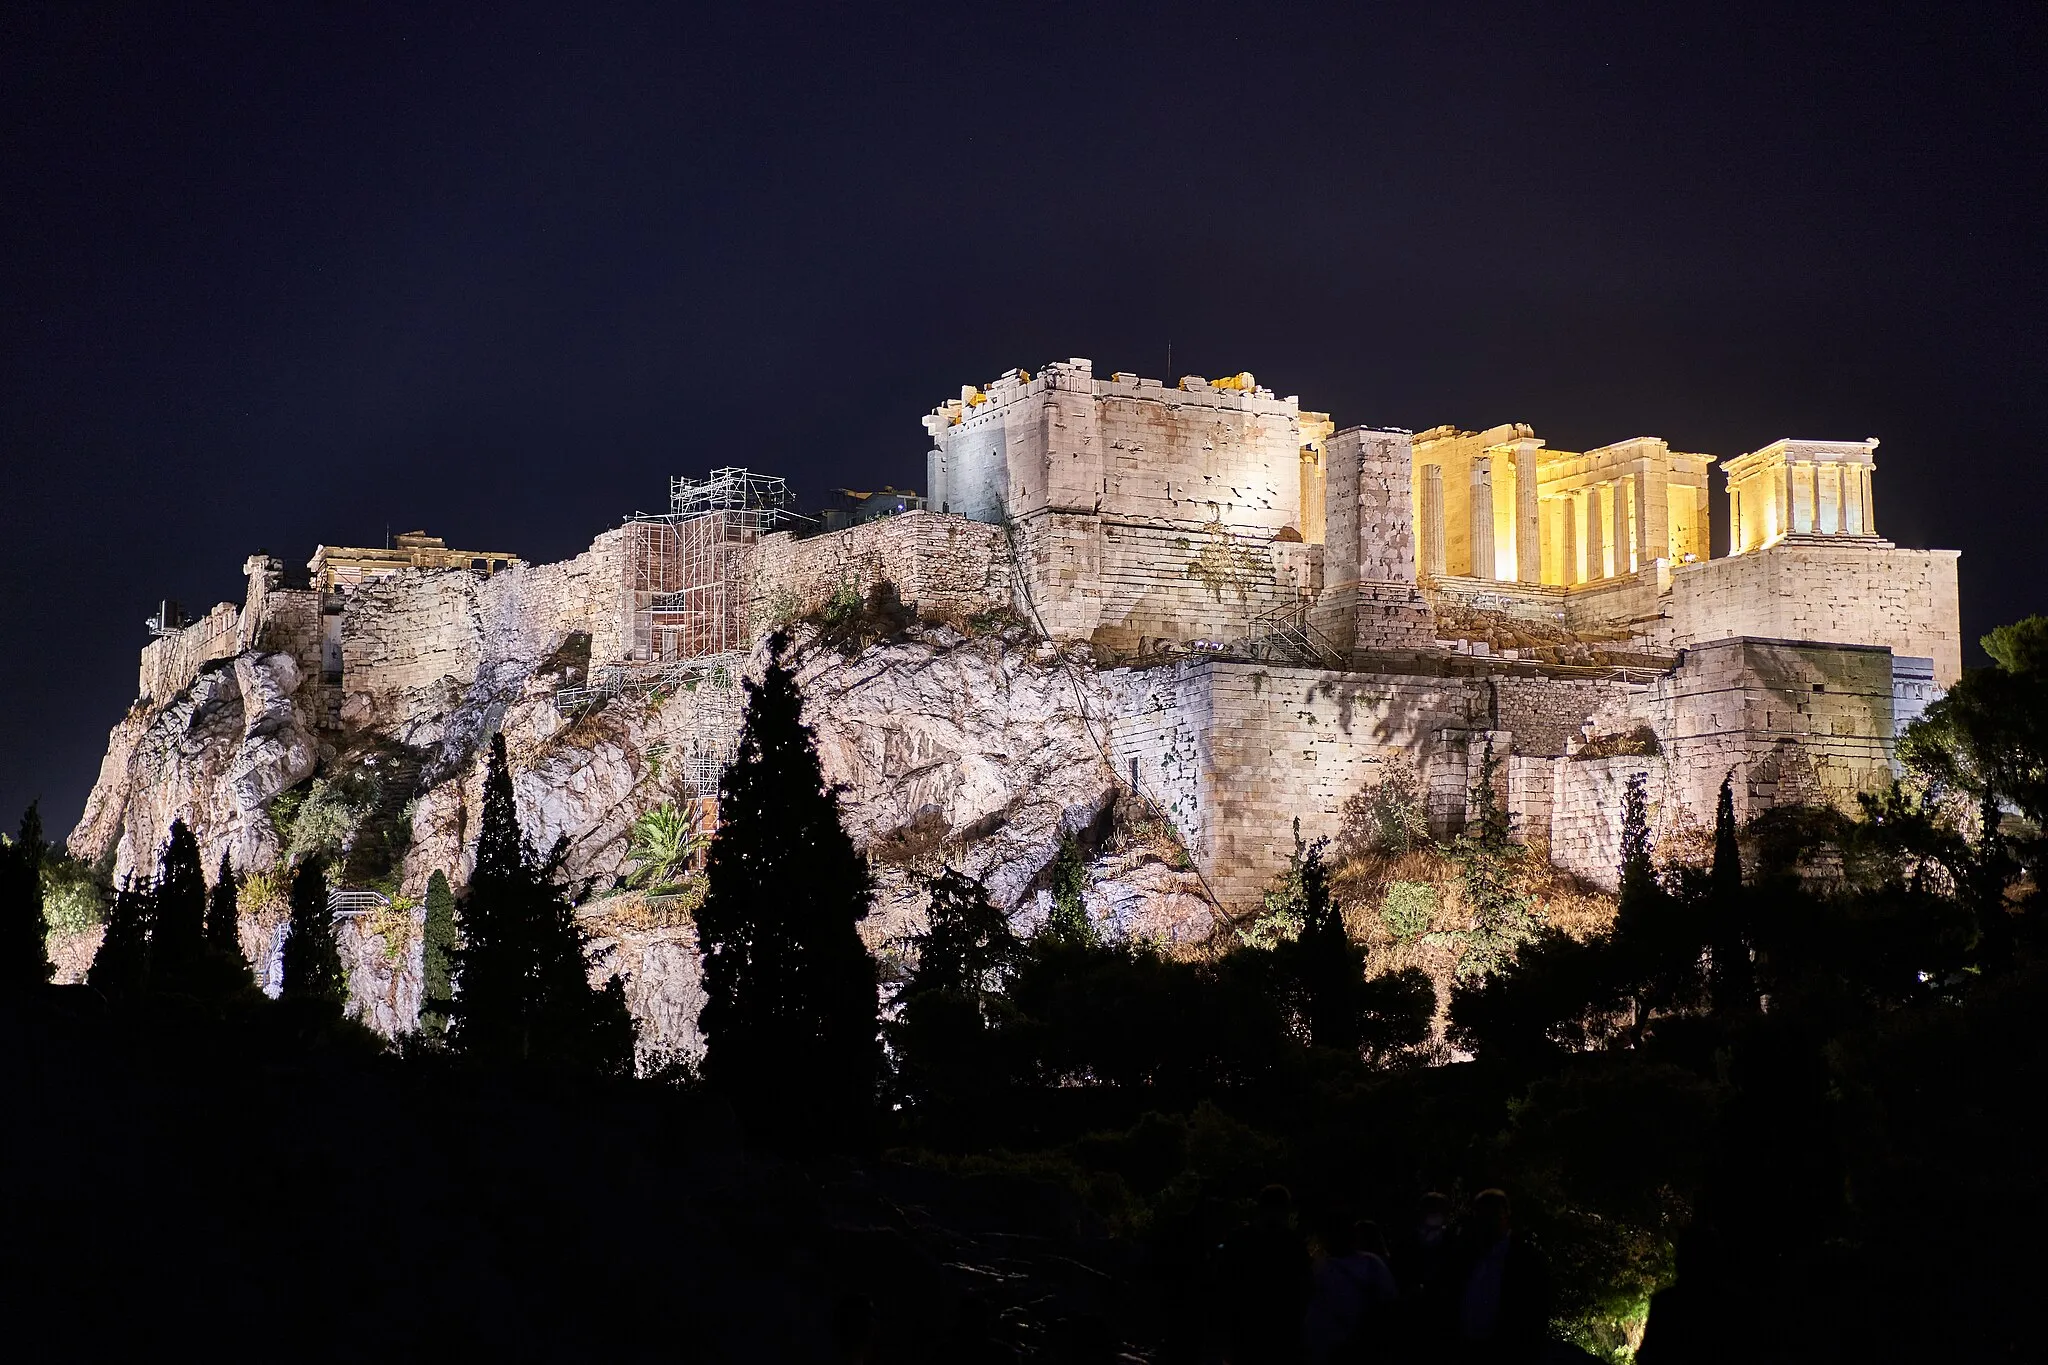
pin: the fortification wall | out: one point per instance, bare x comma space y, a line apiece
171, 662
1122, 583
415, 628
1825, 588
1122, 447
936, 561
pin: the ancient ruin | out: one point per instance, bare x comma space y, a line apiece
1198, 595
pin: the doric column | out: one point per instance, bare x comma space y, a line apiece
1596, 535
1528, 516
1568, 540
1620, 540
1651, 541
1482, 518
1433, 520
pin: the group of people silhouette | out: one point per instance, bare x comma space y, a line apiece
1448, 1288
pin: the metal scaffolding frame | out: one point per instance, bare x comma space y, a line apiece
687, 592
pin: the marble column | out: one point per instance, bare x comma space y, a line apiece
1433, 520
1482, 518
1528, 518
1622, 567
1568, 540
1596, 538
1869, 502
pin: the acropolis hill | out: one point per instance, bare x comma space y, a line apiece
1199, 594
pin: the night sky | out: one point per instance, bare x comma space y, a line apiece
307, 273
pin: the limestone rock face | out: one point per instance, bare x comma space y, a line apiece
214, 755
975, 753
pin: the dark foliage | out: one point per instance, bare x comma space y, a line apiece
791, 1015
120, 969
223, 913
437, 957
179, 934
313, 973
522, 969
24, 960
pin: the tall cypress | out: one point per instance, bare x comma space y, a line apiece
1734, 978
523, 963
24, 932
179, 934
791, 1015
120, 969
223, 913
1329, 966
437, 957
312, 964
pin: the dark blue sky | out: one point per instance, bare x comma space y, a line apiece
294, 273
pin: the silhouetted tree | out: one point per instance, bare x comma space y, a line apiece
1068, 875
951, 1050
312, 964
1734, 980
967, 943
1327, 969
120, 969
437, 957
223, 913
24, 931
523, 964
790, 1020
178, 936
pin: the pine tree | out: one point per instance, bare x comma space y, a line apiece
120, 969
967, 944
523, 965
437, 957
312, 964
24, 932
790, 1020
178, 936
1327, 965
223, 913
1734, 977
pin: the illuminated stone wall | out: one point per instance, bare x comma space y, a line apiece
937, 562
1226, 452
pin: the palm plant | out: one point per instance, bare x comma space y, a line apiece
662, 847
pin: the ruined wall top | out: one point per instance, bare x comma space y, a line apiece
344, 567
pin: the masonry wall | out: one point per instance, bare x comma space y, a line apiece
1124, 446
171, 662
1126, 585
1825, 588
1274, 744
417, 627
936, 561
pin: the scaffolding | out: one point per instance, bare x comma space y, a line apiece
688, 571
688, 585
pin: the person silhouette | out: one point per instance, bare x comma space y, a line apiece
1264, 1285
1504, 1302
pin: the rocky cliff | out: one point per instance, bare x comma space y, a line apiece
978, 750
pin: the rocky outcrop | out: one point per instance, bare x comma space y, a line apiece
977, 752
214, 755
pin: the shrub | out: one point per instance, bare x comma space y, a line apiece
1388, 817
74, 898
1408, 909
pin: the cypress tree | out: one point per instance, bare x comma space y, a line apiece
523, 963
791, 1015
24, 932
1329, 966
437, 957
1733, 975
120, 969
178, 936
223, 914
312, 964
